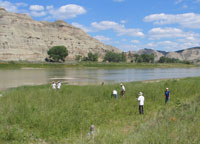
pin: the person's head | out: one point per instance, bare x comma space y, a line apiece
167, 89
140, 93
121, 84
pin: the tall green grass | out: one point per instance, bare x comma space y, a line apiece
38, 114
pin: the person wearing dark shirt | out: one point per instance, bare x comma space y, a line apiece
167, 96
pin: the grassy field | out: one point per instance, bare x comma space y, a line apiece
18, 65
38, 114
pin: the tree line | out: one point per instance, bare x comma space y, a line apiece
59, 53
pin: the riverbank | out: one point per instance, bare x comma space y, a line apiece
19, 65
38, 114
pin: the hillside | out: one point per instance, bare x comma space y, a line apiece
190, 54
23, 39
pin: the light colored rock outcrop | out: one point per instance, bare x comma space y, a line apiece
22, 38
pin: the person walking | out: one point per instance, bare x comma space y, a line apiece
167, 95
141, 102
123, 90
114, 93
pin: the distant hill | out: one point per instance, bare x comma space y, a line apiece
22, 38
190, 54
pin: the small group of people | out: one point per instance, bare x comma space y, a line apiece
114, 92
55, 85
141, 98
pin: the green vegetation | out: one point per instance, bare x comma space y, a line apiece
91, 57
164, 59
147, 58
115, 57
57, 53
38, 114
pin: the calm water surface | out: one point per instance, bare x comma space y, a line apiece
15, 78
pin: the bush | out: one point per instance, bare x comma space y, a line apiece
115, 57
58, 53
91, 57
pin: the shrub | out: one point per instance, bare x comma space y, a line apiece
58, 53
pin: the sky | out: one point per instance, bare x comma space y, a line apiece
131, 25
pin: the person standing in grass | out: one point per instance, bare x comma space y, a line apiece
58, 85
123, 90
141, 102
114, 93
167, 96
53, 85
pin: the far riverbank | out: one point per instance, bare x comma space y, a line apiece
19, 65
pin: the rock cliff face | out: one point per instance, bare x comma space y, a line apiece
22, 38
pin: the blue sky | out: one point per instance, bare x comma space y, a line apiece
130, 25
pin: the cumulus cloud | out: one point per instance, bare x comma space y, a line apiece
11, 7
36, 8
189, 20
158, 33
118, 28
135, 41
37, 14
86, 29
21, 4
67, 11
102, 38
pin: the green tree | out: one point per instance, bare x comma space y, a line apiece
58, 53
115, 57
91, 57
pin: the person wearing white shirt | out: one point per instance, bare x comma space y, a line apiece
53, 85
123, 90
114, 93
58, 85
141, 103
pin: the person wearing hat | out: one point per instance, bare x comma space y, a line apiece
123, 90
141, 102
167, 96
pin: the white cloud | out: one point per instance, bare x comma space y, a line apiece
67, 11
123, 21
178, 1
135, 41
8, 6
37, 14
118, 28
21, 4
158, 33
118, 0
36, 8
49, 7
86, 29
102, 38
189, 20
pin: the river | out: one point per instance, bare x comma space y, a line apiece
19, 77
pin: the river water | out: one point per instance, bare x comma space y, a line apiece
19, 77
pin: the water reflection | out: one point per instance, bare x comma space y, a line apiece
15, 78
